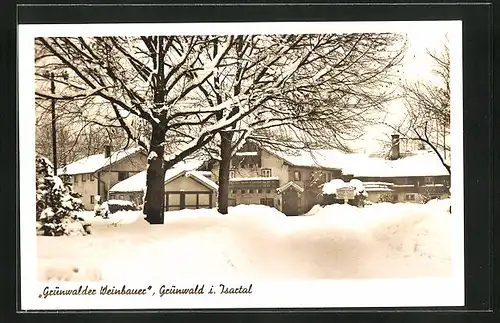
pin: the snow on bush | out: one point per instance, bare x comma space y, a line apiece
331, 187
358, 186
56, 203
121, 202
330, 192
112, 206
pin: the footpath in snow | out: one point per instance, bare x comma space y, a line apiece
257, 242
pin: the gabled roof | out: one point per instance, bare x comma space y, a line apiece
290, 185
94, 163
137, 182
413, 164
309, 158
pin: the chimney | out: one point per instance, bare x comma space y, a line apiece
107, 151
395, 153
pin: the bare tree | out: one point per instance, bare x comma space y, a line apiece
427, 118
77, 135
310, 90
146, 80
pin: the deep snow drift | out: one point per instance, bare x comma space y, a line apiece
257, 242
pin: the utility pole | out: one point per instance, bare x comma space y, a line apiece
53, 111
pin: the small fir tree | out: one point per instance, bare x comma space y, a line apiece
56, 202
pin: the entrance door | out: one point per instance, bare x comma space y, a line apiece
291, 202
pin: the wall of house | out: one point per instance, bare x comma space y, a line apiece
86, 188
187, 184
134, 163
107, 180
310, 180
245, 197
268, 161
184, 183
109, 176
241, 195
374, 196
279, 169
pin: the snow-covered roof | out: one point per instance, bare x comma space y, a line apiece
244, 179
137, 182
312, 158
203, 179
246, 153
419, 163
93, 163
366, 184
290, 185
332, 186
416, 163
378, 189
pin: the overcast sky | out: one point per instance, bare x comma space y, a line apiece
416, 66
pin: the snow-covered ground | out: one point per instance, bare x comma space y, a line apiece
257, 242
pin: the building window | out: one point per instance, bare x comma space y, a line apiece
267, 201
92, 199
184, 200
234, 191
231, 174
328, 176
250, 191
91, 176
429, 180
268, 190
259, 190
75, 179
242, 191
84, 177
409, 197
266, 172
122, 176
296, 176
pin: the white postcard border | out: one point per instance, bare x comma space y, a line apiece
324, 293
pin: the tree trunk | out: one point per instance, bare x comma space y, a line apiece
224, 166
155, 179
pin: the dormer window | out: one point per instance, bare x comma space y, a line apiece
266, 172
429, 180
